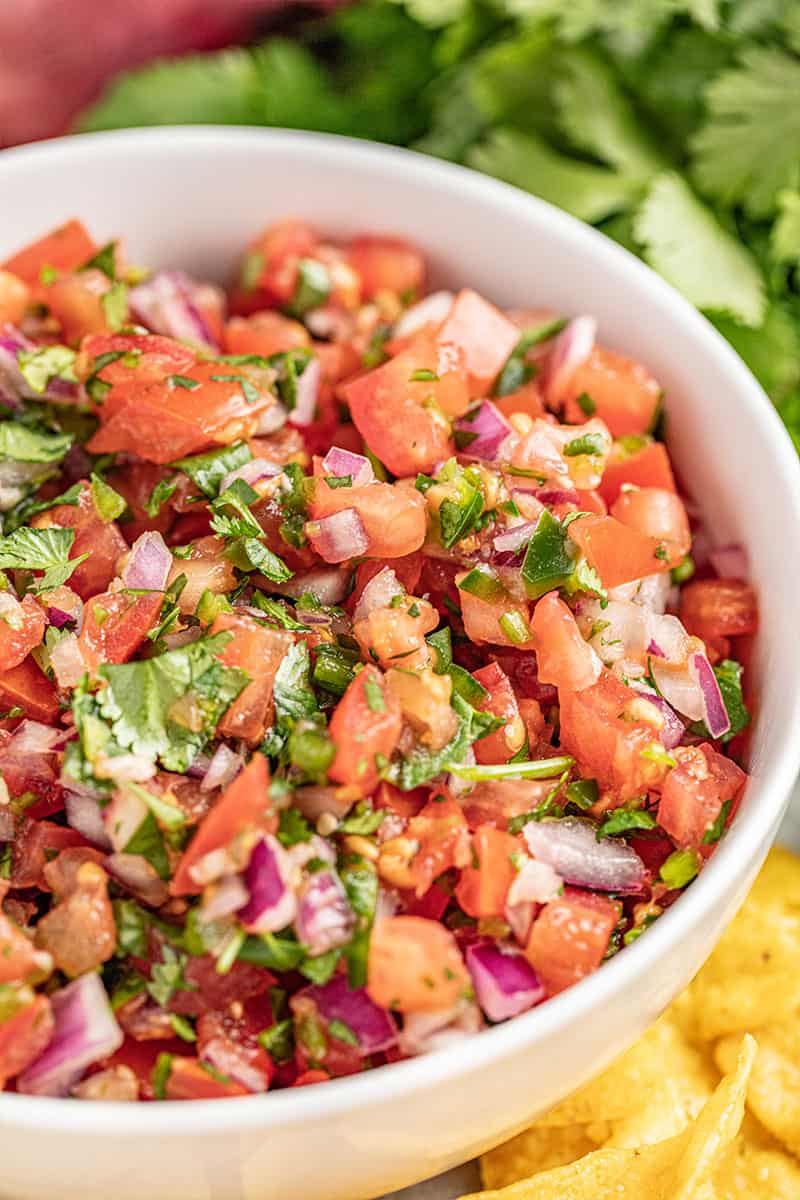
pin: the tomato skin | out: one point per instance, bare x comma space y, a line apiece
501, 701
64, 249
24, 1036
607, 738
695, 791
569, 938
483, 334
719, 608
563, 657
16, 644
394, 516
189, 1080
482, 618
27, 686
402, 421
659, 514
14, 298
625, 394
259, 652
618, 553
115, 625
264, 333
481, 891
414, 965
245, 803
377, 732
36, 843
146, 358
648, 467
17, 953
386, 264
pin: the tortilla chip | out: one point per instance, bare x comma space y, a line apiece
746, 1172
537, 1149
741, 1002
774, 1090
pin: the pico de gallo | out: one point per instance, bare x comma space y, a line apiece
365, 680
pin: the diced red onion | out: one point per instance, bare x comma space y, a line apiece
316, 799
570, 847
222, 1054
505, 983
85, 1031
316, 847
339, 537
124, 768
673, 729
730, 562
424, 1032
324, 918
515, 538
271, 905
535, 883
251, 472
224, 898
623, 633
307, 391
13, 385
489, 429
570, 350
136, 874
715, 714
668, 637
432, 310
149, 564
123, 816
372, 1026
328, 585
85, 815
33, 738
341, 463
58, 618
167, 303
378, 593
271, 419
680, 687
529, 505
225, 765
551, 497
67, 661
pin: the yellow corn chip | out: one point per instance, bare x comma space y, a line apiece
746, 1172
537, 1149
740, 1002
774, 1091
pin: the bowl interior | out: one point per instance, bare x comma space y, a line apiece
193, 198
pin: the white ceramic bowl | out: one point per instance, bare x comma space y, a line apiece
192, 197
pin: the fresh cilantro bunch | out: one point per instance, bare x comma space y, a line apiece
673, 125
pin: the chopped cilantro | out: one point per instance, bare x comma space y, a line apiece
160, 494
22, 443
363, 820
586, 404
104, 260
361, 888
374, 695
548, 561
583, 793
423, 375
183, 381
167, 977
588, 443
320, 968
422, 765
234, 521
294, 828
715, 832
343, 1033
114, 303
313, 287
278, 1041
207, 471
680, 868
40, 550
624, 820
276, 953
108, 503
39, 367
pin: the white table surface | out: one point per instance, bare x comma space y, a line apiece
466, 1179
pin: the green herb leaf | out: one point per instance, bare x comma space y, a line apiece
40, 550
40, 366
363, 820
680, 868
207, 471
624, 820
294, 828
422, 765
273, 952
114, 303
109, 504
25, 444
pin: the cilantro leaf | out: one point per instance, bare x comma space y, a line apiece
167, 976
207, 471
292, 691
624, 820
785, 236
40, 366
421, 765
243, 534
294, 828
40, 550
25, 444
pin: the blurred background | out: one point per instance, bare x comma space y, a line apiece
673, 125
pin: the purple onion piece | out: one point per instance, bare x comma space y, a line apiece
730, 562
488, 429
149, 564
224, 766
85, 1031
715, 714
305, 404
167, 303
341, 463
324, 918
673, 729
513, 539
373, 1026
570, 350
340, 536
505, 983
85, 815
251, 472
271, 905
570, 847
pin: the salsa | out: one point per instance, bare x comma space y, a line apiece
365, 679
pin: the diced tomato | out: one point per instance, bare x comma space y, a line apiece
482, 619
402, 418
14, 298
114, 626
414, 965
308, 1077
264, 333
618, 553
367, 722
271, 263
21, 628
527, 399
136, 359
76, 302
407, 570
141, 1058
658, 514
483, 334
402, 804
17, 953
695, 791
208, 991
601, 727
563, 657
645, 468
191, 1079
386, 264
719, 608
394, 516
441, 833
431, 904
481, 891
231, 1043
589, 501
244, 804
135, 482
36, 843
100, 540
625, 395
29, 688
570, 937
258, 651
65, 249
23, 1036
500, 701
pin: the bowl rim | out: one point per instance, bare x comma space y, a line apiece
344, 1095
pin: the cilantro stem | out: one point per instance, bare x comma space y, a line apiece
540, 768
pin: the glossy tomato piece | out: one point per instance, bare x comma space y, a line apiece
76, 302
484, 336
407, 571
386, 264
15, 297
414, 965
484, 620
244, 804
527, 399
258, 651
21, 628
657, 513
366, 723
131, 360
500, 701
269, 275
602, 727
231, 1044
135, 482
402, 416
618, 553
36, 844
563, 657
209, 991
23, 1036
115, 624
695, 791
63, 250
482, 890
394, 516
101, 541
265, 333
141, 1057
719, 608
569, 938
646, 467
192, 1079
624, 393
28, 687
18, 954
441, 835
